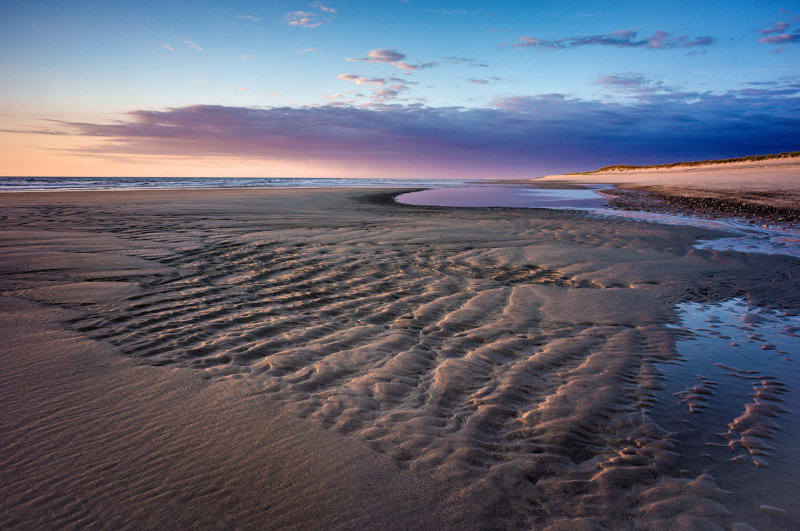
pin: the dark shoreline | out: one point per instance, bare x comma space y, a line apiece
699, 206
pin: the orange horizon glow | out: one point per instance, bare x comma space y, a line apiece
39, 155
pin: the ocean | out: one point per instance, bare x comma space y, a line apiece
53, 184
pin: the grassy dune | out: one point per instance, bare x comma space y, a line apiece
751, 158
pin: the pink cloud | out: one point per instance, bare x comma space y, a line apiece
392, 57
780, 27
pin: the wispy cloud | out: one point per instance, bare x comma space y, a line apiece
193, 45
245, 57
392, 57
324, 9
302, 19
779, 27
783, 38
659, 40
168, 47
390, 87
310, 19
522, 135
483, 81
778, 34
635, 85
454, 60
250, 18
241, 89
312, 50
359, 80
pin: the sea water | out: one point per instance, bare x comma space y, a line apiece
44, 184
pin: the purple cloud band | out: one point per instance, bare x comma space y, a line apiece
516, 136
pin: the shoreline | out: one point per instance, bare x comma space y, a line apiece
764, 191
740, 205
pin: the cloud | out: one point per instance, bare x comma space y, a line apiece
302, 19
312, 50
193, 45
245, 57
241, 89
778, 34
250, 18
783, 38
454, 60
659, 40
524, 135
391, 87
358, 80
780, 27
392, 57
318, 5
168, 47
639, 86
310, 19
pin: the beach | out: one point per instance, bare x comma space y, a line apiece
768, 189
326, 358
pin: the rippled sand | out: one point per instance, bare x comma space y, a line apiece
336, 360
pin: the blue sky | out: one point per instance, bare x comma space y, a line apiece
391, 88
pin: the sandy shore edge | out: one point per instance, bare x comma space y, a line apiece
764, 190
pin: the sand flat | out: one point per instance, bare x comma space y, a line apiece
336, 361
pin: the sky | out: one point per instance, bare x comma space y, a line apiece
391, 88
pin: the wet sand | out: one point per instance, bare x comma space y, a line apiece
319, 358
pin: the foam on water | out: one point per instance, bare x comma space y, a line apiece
730, 402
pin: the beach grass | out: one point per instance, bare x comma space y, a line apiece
693, 163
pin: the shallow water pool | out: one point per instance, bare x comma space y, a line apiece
506, 196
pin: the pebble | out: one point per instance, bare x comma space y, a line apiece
703, 206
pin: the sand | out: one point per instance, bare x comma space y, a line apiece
319, 358
774, 182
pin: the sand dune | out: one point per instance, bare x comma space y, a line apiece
391, 366
774, 182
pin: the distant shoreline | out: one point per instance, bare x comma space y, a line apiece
694, 163
761, 188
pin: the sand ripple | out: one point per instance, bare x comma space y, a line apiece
512, 356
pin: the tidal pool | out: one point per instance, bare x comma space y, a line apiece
745, 237
506, 196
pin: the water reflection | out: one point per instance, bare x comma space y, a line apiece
731, 402
506, 196
748, 238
